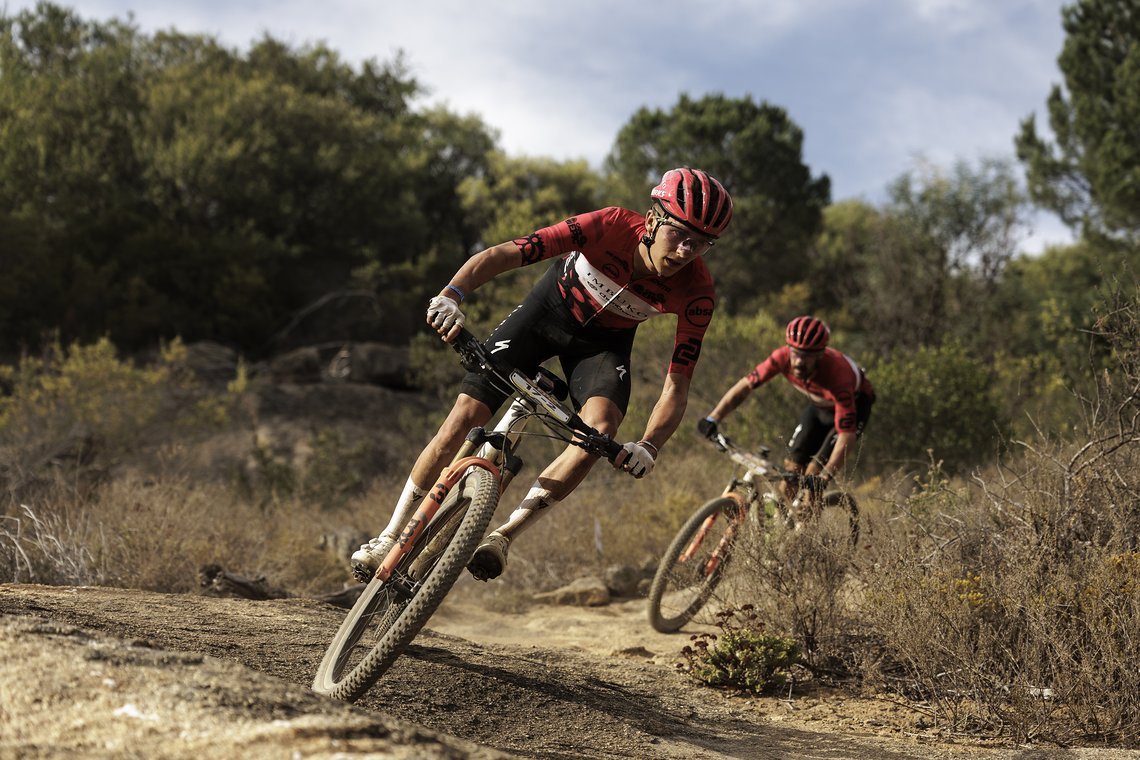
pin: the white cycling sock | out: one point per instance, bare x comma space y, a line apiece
536, 501
406, 505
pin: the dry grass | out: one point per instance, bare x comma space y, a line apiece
1007, 604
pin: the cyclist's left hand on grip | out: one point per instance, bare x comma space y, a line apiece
444, 315
635, 459
707, 427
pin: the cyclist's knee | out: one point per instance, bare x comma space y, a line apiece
602, 414
467, 413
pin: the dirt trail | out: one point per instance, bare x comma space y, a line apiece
102, 672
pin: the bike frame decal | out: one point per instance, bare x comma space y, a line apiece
522, 383
428, 508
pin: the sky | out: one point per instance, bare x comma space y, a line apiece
876, 85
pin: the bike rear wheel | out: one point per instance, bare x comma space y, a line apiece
695, 563
384, 619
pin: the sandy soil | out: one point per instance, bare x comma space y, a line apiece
102, 672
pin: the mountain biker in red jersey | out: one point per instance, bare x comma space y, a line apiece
840, 403
615, 268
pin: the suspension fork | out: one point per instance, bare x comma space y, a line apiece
430, 505
479, 449
730, 532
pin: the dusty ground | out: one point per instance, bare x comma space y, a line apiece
101, 672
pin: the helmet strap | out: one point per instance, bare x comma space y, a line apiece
651, 233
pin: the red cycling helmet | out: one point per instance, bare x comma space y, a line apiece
696, 199
807, 334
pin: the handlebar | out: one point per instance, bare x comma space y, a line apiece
475, 357
759, 463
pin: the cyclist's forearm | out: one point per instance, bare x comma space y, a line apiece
843, 443
482, 268
732, 398
668, 411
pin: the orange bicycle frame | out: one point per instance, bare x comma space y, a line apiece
729, 533
415, 527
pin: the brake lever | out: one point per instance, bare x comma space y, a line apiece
472, 356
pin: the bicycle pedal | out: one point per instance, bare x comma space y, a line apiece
362, 572
484, 567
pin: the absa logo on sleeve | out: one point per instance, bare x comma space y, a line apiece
699, 311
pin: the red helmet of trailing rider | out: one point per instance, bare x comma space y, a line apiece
807, 334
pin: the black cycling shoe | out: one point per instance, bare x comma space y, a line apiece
490, 559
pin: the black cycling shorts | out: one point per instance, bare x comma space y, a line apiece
595, 361
815, 435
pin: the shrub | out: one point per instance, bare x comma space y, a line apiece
743, 657
935, 399
78, 411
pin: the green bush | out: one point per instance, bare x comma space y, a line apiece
743, 657
78, 411
937, 400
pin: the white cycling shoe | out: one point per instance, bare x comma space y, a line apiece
368, 557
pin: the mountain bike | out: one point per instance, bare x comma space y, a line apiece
732, 528
439, 539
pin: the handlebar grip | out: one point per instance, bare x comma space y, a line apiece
464, 339
599, 442
611, 448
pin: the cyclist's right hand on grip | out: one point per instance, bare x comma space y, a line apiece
444, 315
707, 427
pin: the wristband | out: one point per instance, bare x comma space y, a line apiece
455, 289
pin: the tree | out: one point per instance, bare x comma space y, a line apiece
925, 267
756, 151
166, 185
1091, 175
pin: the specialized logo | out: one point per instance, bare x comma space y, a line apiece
699, 311
621, 370
532, 248
501, 345
576, 233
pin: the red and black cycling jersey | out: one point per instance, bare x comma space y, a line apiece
836, 381
596, 282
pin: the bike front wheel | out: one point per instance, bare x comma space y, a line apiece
695, 563
389, 614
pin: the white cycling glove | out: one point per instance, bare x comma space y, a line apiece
638, 460
443, 314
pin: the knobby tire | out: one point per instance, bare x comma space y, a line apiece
686, 579
437, 562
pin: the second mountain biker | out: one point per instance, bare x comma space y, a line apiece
839, 393
615, 269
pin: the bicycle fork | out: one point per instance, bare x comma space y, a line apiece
480, 449
722, 547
